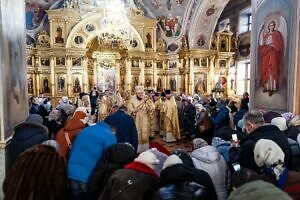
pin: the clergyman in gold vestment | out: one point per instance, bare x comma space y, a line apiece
141, 108
171, 123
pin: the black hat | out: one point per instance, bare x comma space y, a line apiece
168, 91
163, 94
156, 94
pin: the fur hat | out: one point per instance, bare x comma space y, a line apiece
148, 158
139, 88
288, 116
280, 122
52, 143
172, 160
64, 99
161, 157
34, 119
198, 143
68, 109
267, 152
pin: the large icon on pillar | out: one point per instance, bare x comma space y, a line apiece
61, 83
77, 82
45, 85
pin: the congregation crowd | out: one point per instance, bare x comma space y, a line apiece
98, 147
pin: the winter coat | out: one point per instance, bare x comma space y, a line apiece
126, 128
136, 181
87, 149
222, 146
210, 160
73, 126
246, 156
238, 116
293, 128
116, 157
26, 136
185, 179
221, 119
257, 190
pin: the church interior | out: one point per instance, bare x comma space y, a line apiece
211, 49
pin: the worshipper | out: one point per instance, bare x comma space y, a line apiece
53, 122
221, 117
162, 157
171, 123
34, 105
293, 128
141, 107
232, 107
189, 113
62, 102
94, 94
27, 134
38, 173
137, 181
258, 190
202, 123
280, 122
245, 100
178, 100
198, 175
178, 184
86, 102
66, 111
270, 157
87, 149
66, 135
115, 157
256, 129
208, 158
125, 127
239, 115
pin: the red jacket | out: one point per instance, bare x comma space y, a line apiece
72, 127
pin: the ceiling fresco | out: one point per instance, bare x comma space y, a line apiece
176, 18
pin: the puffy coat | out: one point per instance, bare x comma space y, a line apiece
210, 160
73, 126
26, 136
87, 149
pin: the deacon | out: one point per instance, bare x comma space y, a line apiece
170, 114
141, 109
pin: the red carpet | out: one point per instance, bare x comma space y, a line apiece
159, 147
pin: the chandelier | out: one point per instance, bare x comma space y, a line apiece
114, 25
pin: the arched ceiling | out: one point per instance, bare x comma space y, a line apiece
194, 19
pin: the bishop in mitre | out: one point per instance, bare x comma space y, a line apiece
170, 114
141, 109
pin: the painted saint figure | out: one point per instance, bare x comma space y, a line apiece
271, 53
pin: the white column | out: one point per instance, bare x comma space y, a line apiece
85, 75
191, 77
95, 73
69, 77
52, 75
142, 72
154, 82
128, 75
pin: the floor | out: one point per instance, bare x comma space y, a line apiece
184, 144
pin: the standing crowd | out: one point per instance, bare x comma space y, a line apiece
99, 148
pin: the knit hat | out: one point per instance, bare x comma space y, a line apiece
148, 159
288, 116
280, 122
172, 160
52, 143
267, 152
200, 106
161, 157
198, 143
34, 119
68, 109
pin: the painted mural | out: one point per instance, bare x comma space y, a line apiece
272, 47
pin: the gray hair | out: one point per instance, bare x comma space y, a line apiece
255, 117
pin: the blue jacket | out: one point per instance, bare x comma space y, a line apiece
88, 148
126, 128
